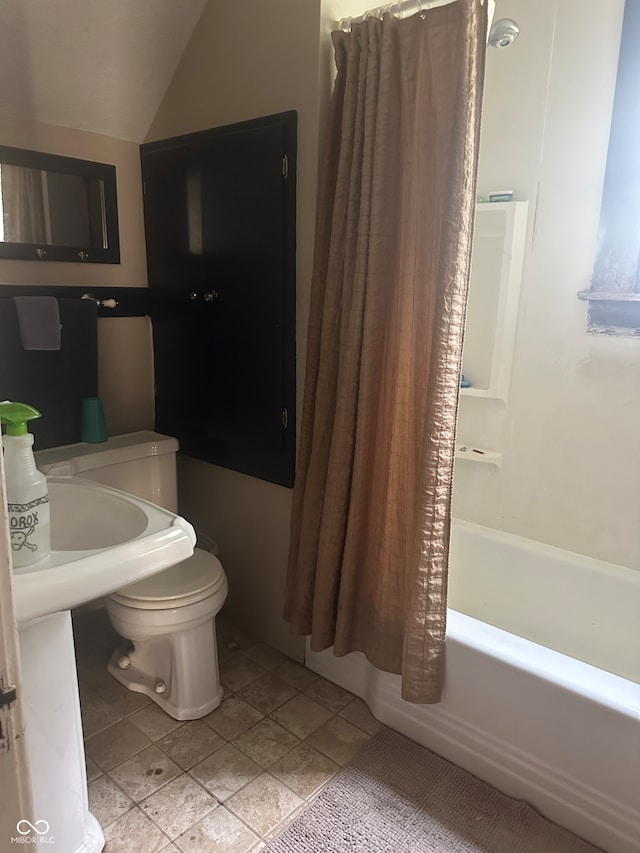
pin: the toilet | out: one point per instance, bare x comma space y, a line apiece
167, 621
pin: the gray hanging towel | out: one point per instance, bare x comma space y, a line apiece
38, 322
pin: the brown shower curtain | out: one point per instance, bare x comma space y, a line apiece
370, 527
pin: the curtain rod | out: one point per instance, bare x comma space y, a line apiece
401, 9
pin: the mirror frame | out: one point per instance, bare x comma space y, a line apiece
69, 166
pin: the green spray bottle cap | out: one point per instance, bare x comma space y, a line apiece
16, 415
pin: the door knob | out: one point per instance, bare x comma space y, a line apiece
210, 296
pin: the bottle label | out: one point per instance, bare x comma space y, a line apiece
28, 527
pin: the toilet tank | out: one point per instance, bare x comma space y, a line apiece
141, 463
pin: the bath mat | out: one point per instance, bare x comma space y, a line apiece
398, 797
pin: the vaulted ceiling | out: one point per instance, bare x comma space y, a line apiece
95, 65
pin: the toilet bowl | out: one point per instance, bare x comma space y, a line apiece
167, 621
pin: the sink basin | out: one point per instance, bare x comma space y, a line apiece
83, 519
101, 539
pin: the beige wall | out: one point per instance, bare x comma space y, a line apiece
125, 373
238, 66
132, 269
124, 344
571, 424
573, 416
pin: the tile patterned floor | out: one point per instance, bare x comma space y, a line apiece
226, 783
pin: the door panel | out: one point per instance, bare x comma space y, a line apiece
220, 222
15, 783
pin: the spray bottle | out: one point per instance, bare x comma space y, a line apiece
27, 493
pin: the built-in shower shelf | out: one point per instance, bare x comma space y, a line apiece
482, 393
479, 454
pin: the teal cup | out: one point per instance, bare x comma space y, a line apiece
94, 428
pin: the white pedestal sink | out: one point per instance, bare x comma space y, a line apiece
102, 539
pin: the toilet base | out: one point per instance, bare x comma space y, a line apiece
141, 682
170, 653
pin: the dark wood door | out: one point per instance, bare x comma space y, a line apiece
220, 230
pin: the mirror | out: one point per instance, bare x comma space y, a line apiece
55, 208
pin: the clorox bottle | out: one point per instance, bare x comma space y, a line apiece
27, 493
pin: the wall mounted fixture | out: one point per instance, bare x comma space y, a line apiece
57, 208
101, 303
503, 33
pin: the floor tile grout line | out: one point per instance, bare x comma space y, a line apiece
278, 828
237, 816
266, 670
230, 809
263, 770
216, 805
269, 714
164, 834
204, 788
226, 741
237, 695
137, 802
124, 760
150, 742
156, 743
132, 806
201, 784
266, 837
231, 812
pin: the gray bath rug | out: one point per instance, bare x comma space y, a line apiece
397, 797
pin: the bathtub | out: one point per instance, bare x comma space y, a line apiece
541, 696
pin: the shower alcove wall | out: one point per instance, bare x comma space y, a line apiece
492, 318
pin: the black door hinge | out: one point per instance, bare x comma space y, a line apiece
7, 695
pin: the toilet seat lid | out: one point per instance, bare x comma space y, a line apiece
194, 578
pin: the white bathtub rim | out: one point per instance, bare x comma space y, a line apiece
561, 797
552, 784
614, 692
580, 606
545, 549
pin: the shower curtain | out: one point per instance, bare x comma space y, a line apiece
370, 525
